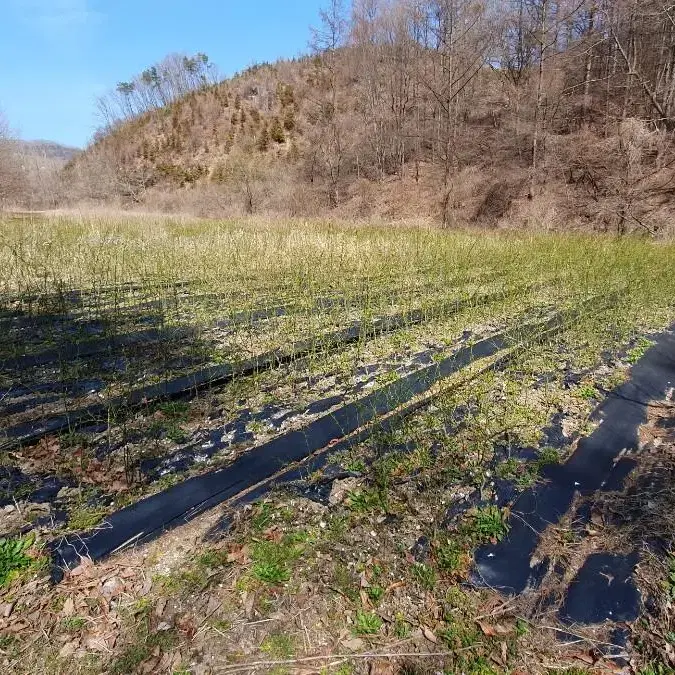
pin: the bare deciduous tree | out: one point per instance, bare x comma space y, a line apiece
12, 178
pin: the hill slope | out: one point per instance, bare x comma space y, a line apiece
382, 128
47, 149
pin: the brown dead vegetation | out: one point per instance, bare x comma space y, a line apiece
546, 115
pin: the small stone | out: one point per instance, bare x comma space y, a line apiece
341, 488
112, 587
35, 510
353, 645
68, 493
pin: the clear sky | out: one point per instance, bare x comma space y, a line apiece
57, 56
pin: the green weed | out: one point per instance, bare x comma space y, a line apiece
72, 624
344, 582
272, 560
451, 557
364, 500
212, 558
13, 558
175, 410
367, 623
130, 659
271, 572
262, 517
640, 349
508, 469
278, 646
85, 518
656, 668
488, 523
375, 593
459, 635
669, 582
587, 391
401, 627
546, 456
424, 575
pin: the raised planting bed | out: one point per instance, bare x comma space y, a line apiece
603, 588
189, 384
151, 516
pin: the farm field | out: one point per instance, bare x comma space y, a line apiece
280, 443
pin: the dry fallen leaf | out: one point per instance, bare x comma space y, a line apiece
596, 518
186, 624
99, 642
395, 585
583, 656
429, 634
68, 607
249, 601
353, 645
86, 564
273, 534
159, 607
118, 486
150, 666
69, 649
381, 667
492, 630
365, 600
238, 554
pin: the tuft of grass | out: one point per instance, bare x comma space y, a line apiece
278, 646
639, 350
451, 557
272, 560
522, 627
362, 501
655, 668
669, 583
546, 456
263, 514
367, 623
375, 593
73, 624
130, 659
13, 558
85, 518
588, 392
488, 523
271, 572
401, 627
508, 469
142, 649
459, 634
212, 559
174, 410
424, 575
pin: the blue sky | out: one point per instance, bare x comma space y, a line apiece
57, 56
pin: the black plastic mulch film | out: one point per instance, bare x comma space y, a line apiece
153, 515
603, 588
190, 384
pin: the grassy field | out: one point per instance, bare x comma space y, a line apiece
93, 309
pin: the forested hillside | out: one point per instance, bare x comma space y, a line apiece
518, 112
